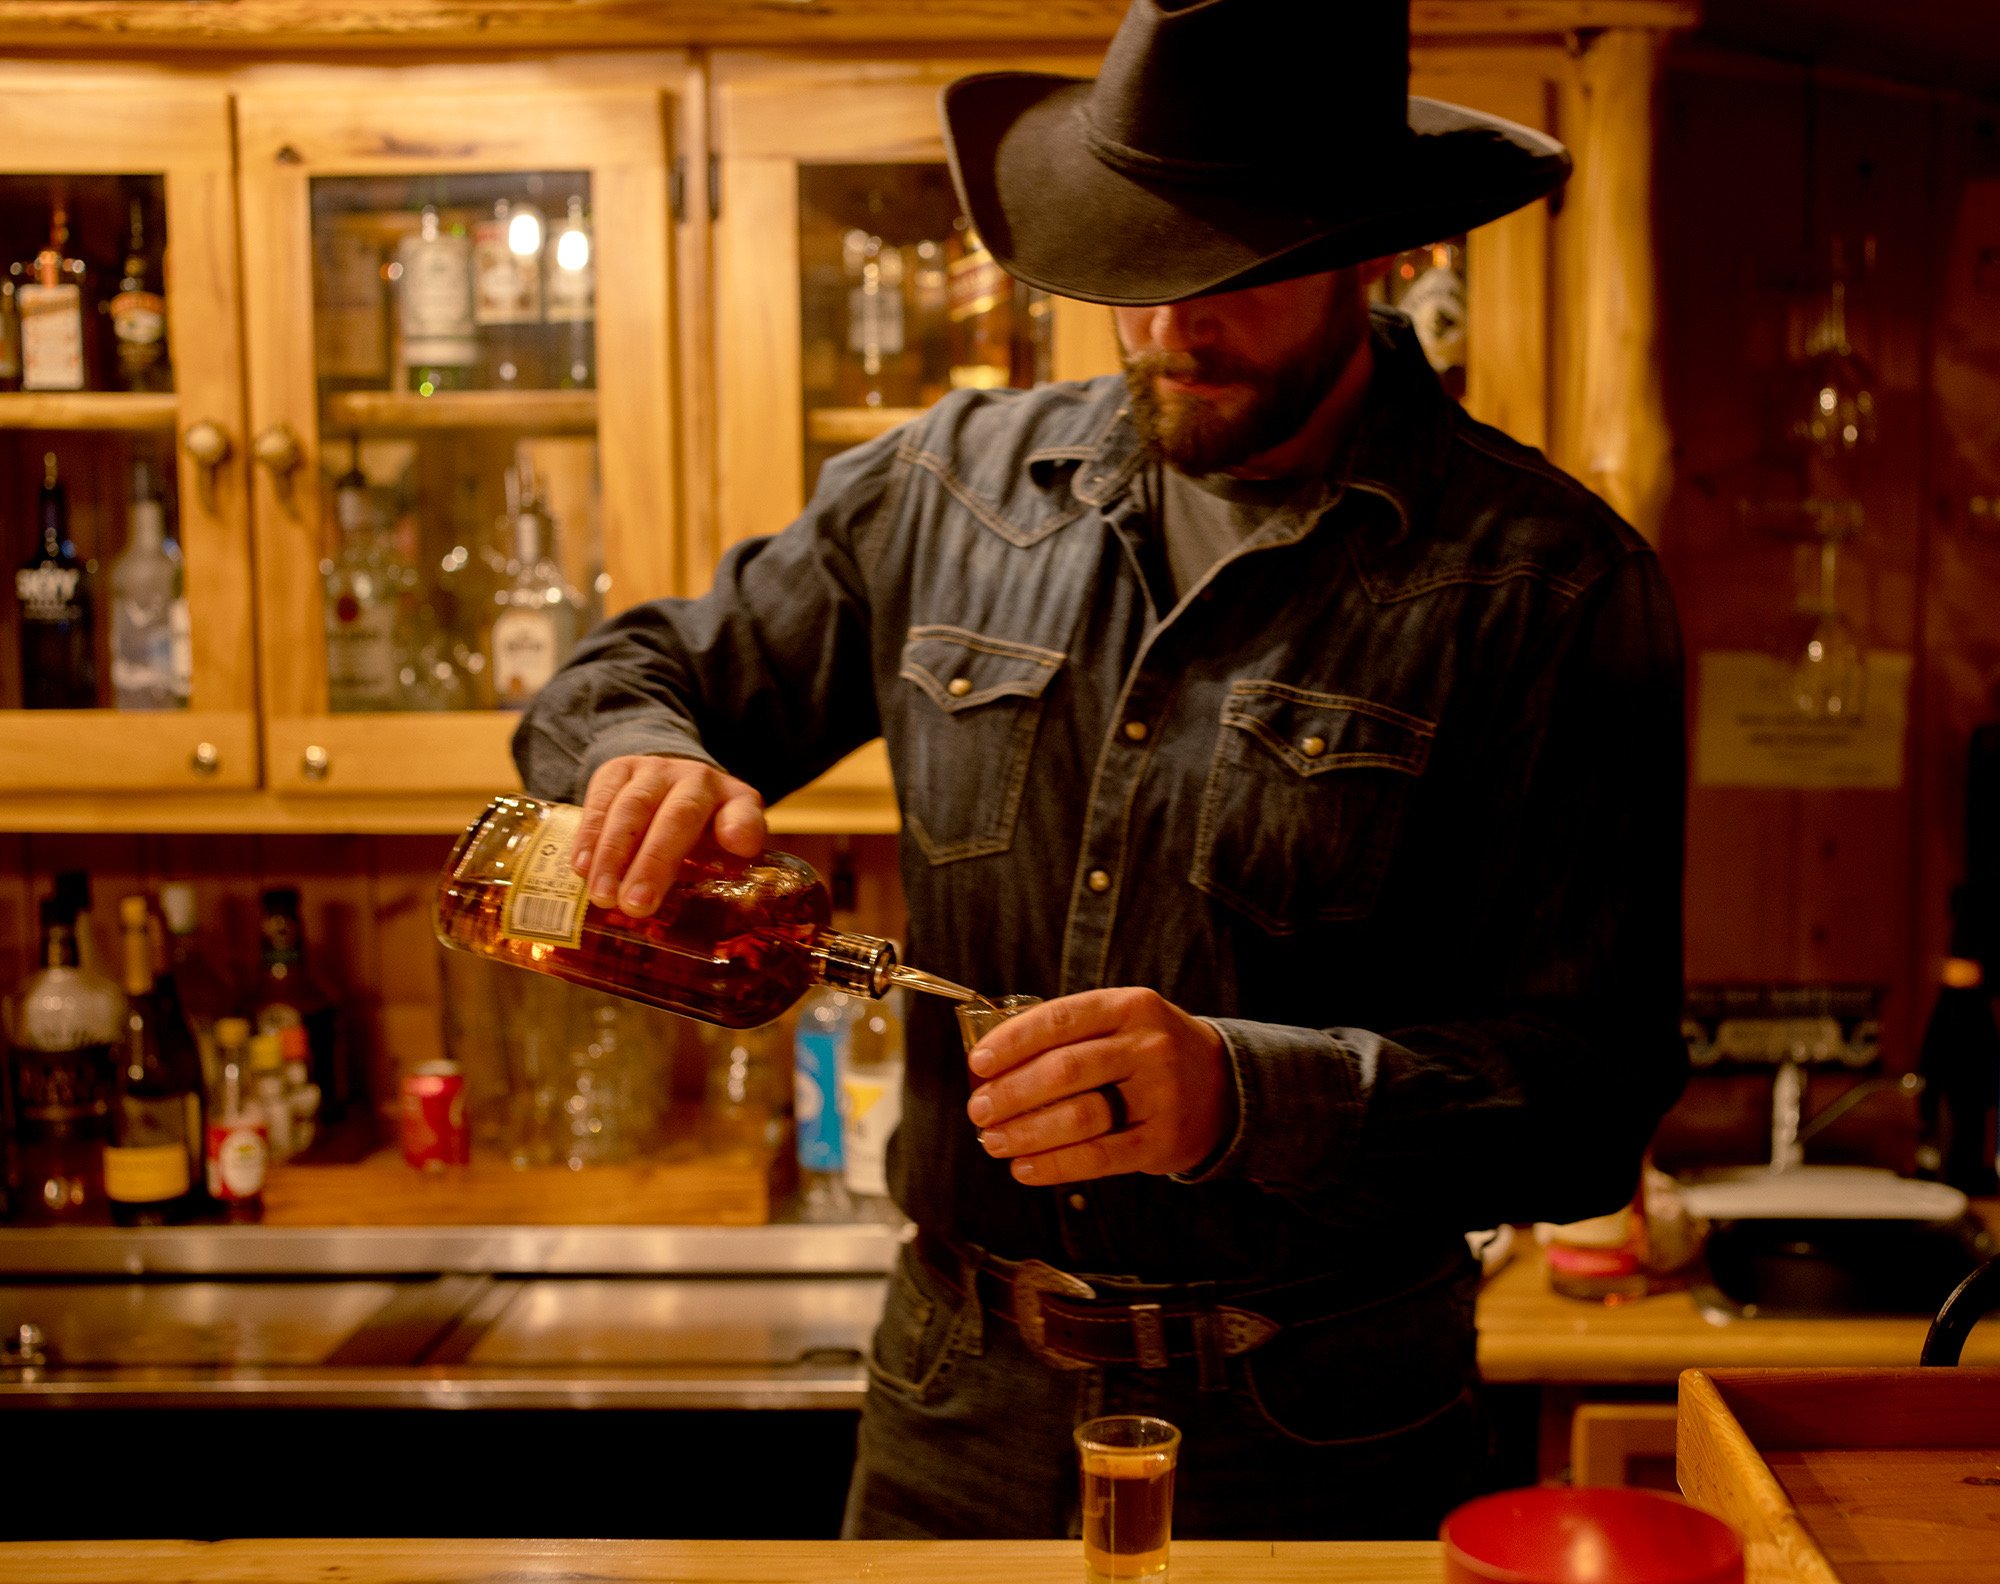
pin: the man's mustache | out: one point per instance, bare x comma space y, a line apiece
1207, 368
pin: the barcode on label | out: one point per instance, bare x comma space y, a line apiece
546, 918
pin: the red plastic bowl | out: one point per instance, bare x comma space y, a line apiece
1555, 1535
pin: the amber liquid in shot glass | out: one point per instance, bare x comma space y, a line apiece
979, 1017
1128, 1497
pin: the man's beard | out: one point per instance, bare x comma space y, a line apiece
1196, 436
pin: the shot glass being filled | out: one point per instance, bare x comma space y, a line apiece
1128, 1497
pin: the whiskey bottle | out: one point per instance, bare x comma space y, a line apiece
56, 593
507, 294
434, 300
571, 300
56, 344
733, 942
61, 1027
539, 613
877, 370
139, 316
153, 1159
980, 298
10, 330
288, 997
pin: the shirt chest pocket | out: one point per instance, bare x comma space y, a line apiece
1303, 804
971, 737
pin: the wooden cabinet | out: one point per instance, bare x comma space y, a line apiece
725, 188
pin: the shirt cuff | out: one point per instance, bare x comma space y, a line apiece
1300, 1095
659, 736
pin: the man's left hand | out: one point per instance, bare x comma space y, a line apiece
1041, 1105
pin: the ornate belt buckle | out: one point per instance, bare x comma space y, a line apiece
1031, 1280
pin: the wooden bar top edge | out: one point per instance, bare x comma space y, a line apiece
693, 1561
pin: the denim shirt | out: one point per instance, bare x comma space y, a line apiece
1393, 796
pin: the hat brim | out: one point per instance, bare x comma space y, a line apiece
1056, 216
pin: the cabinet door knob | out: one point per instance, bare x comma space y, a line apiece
317, 763
205, 759
277, 448
207, 446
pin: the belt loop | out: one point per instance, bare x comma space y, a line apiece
1209, 1357
975, 1306
1150, 1334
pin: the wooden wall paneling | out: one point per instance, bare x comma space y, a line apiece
409, 991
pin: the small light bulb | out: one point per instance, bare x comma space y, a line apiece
1826, 398
573, 250
524, 233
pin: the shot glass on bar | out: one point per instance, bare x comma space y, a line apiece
1128, 1497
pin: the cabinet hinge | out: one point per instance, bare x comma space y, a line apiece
677, 189
714, 185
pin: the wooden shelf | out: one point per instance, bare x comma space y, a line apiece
544, 412
128, 411
852, 425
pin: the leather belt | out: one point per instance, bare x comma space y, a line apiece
1066, 1324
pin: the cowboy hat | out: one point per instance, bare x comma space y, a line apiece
1226, 143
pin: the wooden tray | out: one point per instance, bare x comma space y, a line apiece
737, 1187
1849, 1476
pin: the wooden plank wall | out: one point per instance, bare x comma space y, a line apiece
1761, 166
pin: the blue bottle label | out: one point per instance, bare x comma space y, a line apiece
816, 1098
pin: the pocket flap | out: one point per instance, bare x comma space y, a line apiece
961, 670
1315, 732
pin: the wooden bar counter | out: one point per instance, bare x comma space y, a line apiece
693, 1562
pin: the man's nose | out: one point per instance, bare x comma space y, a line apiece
1182, 326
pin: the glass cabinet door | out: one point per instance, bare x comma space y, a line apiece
125, 627
460, 400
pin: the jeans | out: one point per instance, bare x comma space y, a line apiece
1317, 1435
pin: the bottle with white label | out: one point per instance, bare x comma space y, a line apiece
871, 1101
56, 592
434, 281
361, 589
540, 614
149, 623
56, 339
507, 294
139, 316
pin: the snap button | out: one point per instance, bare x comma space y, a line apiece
1135, 731
1312, 747
1078, 1202
958, 687
1098, 880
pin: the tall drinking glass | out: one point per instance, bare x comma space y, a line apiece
1128, 1497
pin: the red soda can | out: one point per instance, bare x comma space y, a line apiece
433, 1117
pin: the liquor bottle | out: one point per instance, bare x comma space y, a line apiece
877, 370
1428, 284
239, 1151
930, 319
819, 1058
273, 1096
507, 294
440, 341
204, 994
139, 316
149, 621
571, 299
56, 335
350, 303
361, 598
10, 332
981, 307
871, 1100
153, 1159
540, 614
62, 1025
734, 942
57, 593
288, 996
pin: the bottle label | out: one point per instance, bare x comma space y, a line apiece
874, 1105
238, 1158
180, 664
437, 300
360, 653
507, 288
572, 293
139, 320
1435, 302
546, 901
51, 337
874, 321
145, 1174
142, 655
48, 593
977, 285
349, 323
526, 652
816, 1099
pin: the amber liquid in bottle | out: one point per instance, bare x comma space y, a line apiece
734, 943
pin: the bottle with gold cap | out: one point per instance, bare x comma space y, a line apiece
151, 1163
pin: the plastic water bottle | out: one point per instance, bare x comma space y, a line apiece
819, 1057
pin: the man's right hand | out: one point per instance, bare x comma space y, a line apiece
644, 813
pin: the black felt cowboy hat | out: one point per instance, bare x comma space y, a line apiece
1225, 143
